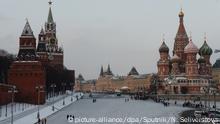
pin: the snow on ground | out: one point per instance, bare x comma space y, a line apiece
22, 107
46, 111
106, 106
18, 108
115, 108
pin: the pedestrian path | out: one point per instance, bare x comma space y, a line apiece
47, 111
22, 109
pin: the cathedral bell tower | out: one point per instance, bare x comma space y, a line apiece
181, 40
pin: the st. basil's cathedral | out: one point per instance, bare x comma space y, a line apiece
183, 73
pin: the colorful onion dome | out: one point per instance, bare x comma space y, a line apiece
175, 59
201, 59
164, 47
191, 47
205, 49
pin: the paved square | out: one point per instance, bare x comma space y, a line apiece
114, 108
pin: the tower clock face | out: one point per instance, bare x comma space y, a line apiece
52, 41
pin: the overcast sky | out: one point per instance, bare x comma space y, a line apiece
122, 33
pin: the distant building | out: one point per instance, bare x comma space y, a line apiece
107, 82
106, 73
83, 85
183, 73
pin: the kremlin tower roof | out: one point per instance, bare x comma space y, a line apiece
191, 47
50, 15
42, 31
27, 31
163, 47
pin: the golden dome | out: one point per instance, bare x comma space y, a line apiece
181, 12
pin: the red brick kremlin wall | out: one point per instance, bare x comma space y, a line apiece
26, 75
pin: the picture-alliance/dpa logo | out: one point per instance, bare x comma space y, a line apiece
70, 118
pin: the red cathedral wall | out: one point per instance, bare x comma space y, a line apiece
26, 75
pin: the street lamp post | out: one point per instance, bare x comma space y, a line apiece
6, 110
53, 86
12, 91
38, 89
22, 106
15, 107
71, 84
64, 84
0, 111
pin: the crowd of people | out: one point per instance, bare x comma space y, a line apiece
186, 103
166, 101
126, 99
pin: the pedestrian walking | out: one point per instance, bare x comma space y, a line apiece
213, 106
